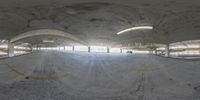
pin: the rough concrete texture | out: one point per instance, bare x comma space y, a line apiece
97, 22
90, 76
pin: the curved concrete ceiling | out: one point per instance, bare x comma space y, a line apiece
97, 22
48, 32
48, 41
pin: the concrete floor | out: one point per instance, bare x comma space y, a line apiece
90, 76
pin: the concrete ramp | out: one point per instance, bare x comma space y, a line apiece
55, 75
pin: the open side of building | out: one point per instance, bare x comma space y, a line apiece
99, 50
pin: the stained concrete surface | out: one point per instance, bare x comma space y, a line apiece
97, 21
51, 75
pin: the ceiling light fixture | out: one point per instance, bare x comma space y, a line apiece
135, 28
47, 41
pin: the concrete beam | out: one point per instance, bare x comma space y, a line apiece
47, 32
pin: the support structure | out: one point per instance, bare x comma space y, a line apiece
36, 47
89, 49
150, 51
108, 50
31, 48
10, 49
156, 52
73, 48
167, 52
121, 50
51, 32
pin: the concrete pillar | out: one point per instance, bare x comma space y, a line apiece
156, 52
89, 49
31, 48
120, 50
10, 49
167, 50
36, 47
150, 52
108, 50
64, 48
73, 48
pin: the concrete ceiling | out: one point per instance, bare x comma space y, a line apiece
97, 21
